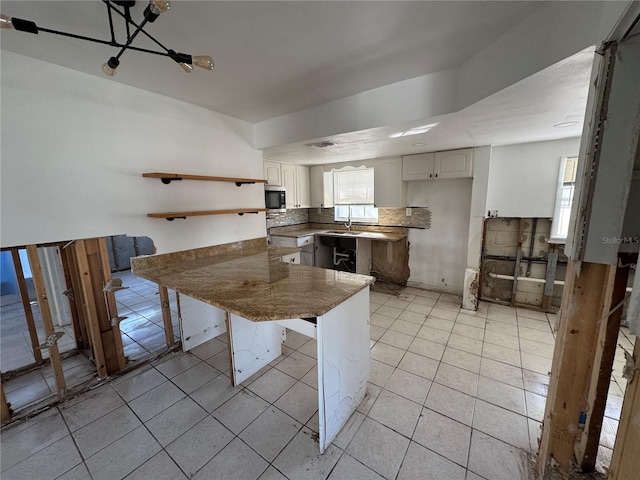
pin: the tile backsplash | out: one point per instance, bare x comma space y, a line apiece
290, 217
387, 217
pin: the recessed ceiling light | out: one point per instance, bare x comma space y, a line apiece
565, 124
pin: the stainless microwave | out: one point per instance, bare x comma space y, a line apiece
275, 198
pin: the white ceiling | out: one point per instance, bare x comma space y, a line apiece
275, 58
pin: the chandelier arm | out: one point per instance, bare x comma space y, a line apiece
129, 20
113, 35
130, 39
103, 42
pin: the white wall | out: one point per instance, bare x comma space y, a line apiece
74, 147
438, 256
523, 178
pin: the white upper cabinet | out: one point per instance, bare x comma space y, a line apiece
321, 184
290, 182
272, 173
433, 166
454, 163
389, 189
295, 179
303, 199
418, 167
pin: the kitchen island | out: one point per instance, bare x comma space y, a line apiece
254, 297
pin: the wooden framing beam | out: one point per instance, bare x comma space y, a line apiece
78, 330
26, 305
43, 303
585, 301
89, 306
112, 306
516, 268
625, 462
166, 315
605, 349
4, 406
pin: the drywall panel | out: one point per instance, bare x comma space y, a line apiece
523, 178
74, 147
438, 256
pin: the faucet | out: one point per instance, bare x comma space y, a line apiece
348, 224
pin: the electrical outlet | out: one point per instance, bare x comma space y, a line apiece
408, 212
492, 213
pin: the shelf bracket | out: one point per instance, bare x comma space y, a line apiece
171, 219
239, 184
168, 180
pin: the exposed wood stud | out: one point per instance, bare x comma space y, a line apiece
586, 298
89, 304
166, 315
625, 461
6, 410
26, 304
73, 305
516, 268
605, 349
112, 306
45, 312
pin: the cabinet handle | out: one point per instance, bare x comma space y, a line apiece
430, 175
436, 175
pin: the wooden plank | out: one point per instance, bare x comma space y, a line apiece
73, 306
166, 315
112, 306
5, 416
625, 461
186, 176
587, 293
605, 349
78, 298
516, 268
26, 304
89, 305
45, 312
94, 261
173, 215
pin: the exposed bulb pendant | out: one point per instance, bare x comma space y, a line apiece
5, 21
150, 14
109, 68
203, 61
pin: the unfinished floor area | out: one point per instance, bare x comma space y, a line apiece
452, 395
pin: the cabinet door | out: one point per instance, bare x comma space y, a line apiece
199, 321
321, 185
454, 163
302, 187
418, 167
389, 190
289, 182
272, 173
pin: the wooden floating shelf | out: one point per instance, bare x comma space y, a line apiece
173, 215
167, 178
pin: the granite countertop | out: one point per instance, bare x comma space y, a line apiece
251, 281
382, 236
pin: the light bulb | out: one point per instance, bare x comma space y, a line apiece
186, 67
203, 61
159, 6
5, 21
109, 68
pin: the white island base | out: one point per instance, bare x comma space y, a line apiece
342, 336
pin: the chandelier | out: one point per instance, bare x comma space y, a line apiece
152, 11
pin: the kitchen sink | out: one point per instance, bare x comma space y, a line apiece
342, 232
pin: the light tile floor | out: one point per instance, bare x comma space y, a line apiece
452, 395
142, 336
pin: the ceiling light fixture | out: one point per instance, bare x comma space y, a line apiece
151, 13
565, 124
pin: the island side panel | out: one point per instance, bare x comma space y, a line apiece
343, 363
253, 345
199, 321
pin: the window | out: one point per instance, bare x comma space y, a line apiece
564, 197
353, 195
